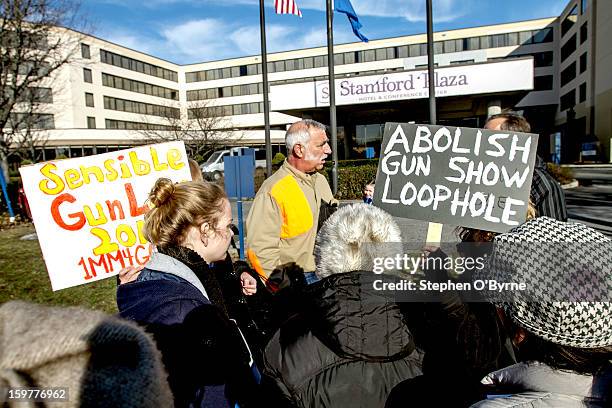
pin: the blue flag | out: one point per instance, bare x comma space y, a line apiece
345, 6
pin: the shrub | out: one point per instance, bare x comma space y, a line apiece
278, 159
25, 162
352, 179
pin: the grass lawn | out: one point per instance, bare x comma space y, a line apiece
23, 275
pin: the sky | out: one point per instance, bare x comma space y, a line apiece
192, 31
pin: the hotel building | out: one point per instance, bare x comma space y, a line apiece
557, 71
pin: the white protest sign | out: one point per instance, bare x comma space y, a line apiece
89, 211
460, 176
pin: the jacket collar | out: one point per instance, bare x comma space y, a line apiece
536, 376
167, 264
300, 175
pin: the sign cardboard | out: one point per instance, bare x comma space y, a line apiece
89, 211
460, 176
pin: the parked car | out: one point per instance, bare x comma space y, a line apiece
213, 168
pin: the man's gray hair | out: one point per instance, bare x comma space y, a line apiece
299, 132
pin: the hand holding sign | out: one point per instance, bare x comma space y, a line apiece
460, 176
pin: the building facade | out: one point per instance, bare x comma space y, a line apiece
110, 96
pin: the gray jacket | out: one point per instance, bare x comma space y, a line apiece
545, 387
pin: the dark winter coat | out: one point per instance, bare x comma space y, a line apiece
349, 347
205, 357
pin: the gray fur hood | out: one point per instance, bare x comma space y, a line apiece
353, 237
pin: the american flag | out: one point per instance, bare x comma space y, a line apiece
287, 7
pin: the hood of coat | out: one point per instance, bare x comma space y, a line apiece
356, 321
353, 237
539, 377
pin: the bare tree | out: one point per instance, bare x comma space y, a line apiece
33, 45
204, 129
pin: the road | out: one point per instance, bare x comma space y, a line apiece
591, 205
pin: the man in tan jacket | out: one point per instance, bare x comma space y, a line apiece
282, 223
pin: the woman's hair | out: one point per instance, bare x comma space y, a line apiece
586, 361
176, 207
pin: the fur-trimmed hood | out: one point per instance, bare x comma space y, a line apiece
352, 237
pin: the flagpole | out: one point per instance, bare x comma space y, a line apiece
434, 229
332, 95
264, 72
430, 66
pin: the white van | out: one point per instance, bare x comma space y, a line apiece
213, 166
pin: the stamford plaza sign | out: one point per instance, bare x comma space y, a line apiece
495, 77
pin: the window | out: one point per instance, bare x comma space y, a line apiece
568, 48
543, 59
582, 92
320, 61
381, 54
87, 75
402, 52
122, 124
525, 37
85, 52
512, 39
543, 36
191, 77
35, 94
369, 55
279, 66
583, 62
91, 122
583, 6
438, 47
568, 74
108, 57
497, 40
137, 86
543, 83
583, 33
569, 21
568, 100
472, 43
43, 121
20, 120
140, 107
349, 57
89, 99
449, 46
308, 62
252, 69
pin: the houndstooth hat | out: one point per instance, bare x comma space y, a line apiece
568, 271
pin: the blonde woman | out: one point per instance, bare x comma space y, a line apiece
179, 298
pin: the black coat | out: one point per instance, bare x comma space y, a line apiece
349, 346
